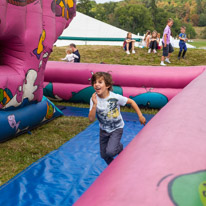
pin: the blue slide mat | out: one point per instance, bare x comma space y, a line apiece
62, 176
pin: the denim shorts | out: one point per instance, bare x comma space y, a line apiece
167, 50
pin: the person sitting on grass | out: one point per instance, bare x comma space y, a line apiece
182, 42
158, 41
129, 43
153, 43
76, 52
70, 57
147, 39
106, 105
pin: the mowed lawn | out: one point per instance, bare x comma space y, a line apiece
116, 55
20, 152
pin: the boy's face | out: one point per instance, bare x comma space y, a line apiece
100, 86
170, 23
182, 30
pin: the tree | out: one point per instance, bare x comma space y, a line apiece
85, 6
202, 20
133, 18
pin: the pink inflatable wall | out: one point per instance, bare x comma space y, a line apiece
165, 164
28, 29
68, 78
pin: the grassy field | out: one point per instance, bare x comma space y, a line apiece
116, 55
20, 152
199, 43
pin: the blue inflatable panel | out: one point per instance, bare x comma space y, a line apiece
17, 121
62, 176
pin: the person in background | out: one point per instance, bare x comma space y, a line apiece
158, 41
147, 39
182, 42
128, 43
75, 51
70, 57
153, 43
167, 46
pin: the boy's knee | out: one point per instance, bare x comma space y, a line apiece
111, 153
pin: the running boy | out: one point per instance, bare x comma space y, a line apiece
106, 105
182, 43
167, 46
129, 43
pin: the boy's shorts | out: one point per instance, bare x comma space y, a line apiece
130, 46
167, 50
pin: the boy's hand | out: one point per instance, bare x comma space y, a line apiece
94, 98
142, 120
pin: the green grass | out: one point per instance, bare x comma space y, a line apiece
199, 43
18, 153
116, 55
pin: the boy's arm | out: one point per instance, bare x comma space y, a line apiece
165, 40
92, 113
138, 111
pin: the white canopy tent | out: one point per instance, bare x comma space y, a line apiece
86, 26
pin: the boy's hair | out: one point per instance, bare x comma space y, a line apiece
72, 45
106, 76
183, 27
169, 20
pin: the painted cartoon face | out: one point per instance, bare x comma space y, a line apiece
100, 87
189, 189
50, 111
20, 2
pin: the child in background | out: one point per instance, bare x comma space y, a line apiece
158, 41
182, 42
106, 105
153, 43
167, 46
129, 43
69, 56
147, 38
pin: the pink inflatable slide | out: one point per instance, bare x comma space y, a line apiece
165, 163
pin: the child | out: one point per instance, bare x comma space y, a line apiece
158, 41
70, 57
76, 52
167, 46
147, 38
106, 105
129, 43
182, 44
153, 43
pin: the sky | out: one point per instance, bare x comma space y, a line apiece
104, 1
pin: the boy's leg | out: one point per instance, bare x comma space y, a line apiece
179, 55
170, 53
165, 54
103, 141
114, 145
184, 52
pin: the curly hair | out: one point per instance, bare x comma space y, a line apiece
106, 76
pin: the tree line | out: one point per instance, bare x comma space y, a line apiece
137, 16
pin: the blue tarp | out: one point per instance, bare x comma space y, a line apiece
62, 176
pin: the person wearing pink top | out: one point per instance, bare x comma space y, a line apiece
167, 47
